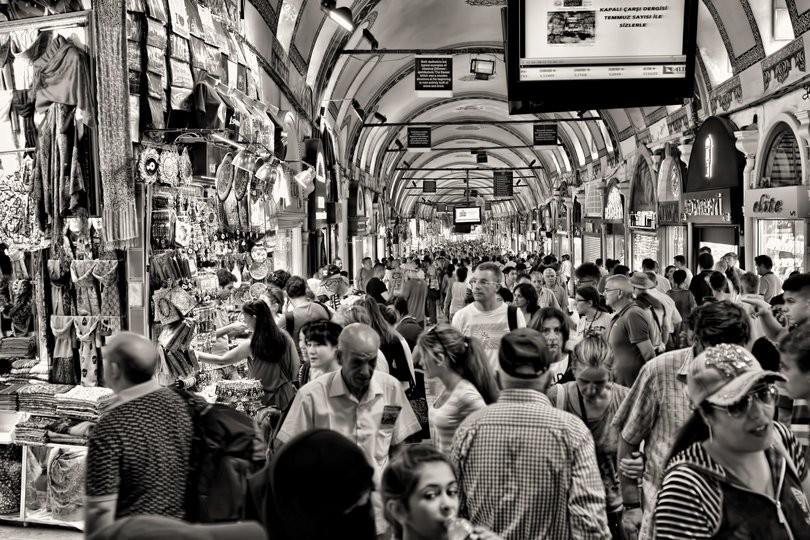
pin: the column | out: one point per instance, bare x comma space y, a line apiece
748, 143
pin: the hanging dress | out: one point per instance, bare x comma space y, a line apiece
63, 332
89, 342
86, 294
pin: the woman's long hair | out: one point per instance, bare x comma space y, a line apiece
465, 355
591, 294
593, 352
528, 292
267, 337
695, 430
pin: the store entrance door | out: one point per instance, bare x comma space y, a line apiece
721, 240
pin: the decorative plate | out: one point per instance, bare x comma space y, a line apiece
186, 169
225, 177
258, 254
148, 165
241, 180
169, 167
257, 289
258, 270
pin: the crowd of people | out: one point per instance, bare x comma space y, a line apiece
462, 392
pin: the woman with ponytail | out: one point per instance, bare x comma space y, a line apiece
461, 364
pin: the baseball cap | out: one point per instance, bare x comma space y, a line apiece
524, 354
724, 374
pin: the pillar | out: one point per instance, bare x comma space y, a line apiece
748, 143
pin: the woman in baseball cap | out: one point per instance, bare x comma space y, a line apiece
733, 471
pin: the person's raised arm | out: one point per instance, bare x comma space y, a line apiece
240, 352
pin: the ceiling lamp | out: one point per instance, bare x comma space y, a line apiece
482, 69
342, 16
481, 157
399, 144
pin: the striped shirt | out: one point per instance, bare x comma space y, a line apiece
654, 411
690, 503
528, 470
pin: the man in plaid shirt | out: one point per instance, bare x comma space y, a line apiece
525, 469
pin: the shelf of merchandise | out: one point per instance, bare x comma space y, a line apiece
37, 517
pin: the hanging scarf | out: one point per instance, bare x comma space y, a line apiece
114, 148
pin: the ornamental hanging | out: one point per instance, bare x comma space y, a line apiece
148, 165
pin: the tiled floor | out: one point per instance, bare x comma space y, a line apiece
37, 532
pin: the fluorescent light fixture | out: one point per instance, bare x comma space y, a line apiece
381, 117
343, 16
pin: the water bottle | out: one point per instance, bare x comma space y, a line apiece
459, 529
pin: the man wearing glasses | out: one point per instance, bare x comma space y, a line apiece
487, 318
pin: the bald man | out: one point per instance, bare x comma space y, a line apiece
138, 459
367, 406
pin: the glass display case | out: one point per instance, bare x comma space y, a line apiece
783, 240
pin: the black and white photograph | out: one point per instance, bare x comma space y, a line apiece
571, 27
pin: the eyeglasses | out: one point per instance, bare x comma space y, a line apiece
580, 299
482, 282
610, 290
765, 394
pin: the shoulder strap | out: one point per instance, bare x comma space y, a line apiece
560, 400
511, 317
327, 310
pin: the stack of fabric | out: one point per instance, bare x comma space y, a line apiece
40, 398
69, 431
26, 370
84, 402
8, 396
32, 431
17, 347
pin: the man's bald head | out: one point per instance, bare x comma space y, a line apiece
135, 356
359, 338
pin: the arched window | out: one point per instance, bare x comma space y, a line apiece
783, 162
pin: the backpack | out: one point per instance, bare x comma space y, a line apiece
656, 331
226, 450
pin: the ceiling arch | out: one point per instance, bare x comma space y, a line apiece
732, 35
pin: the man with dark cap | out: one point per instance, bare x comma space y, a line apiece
358, 401
524, 451
138, 459
319, 486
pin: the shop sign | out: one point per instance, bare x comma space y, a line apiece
669, 213
502, 183
614, 209
784, 202
644, 219
707, 207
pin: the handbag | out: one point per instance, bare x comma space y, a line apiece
417, 397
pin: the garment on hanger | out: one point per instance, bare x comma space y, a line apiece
89, 342
106, 272
86, 294
61, 300
63, 330
21, 312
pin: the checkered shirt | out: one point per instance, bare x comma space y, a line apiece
654, 411
528, 470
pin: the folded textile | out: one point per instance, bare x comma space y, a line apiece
85, 402
33, 430
17, 347
40, 398
8, 396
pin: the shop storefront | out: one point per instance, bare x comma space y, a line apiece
545, 235
562, 239
576, 234
358, 224
712, 201
318, 222
614, 223
594, 207
779, 205
644, 239
671, 228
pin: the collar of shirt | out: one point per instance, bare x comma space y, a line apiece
338, 388
523, 395
134, 392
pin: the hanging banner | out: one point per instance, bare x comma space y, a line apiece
503, 184
433, 76
419, 139
545, 135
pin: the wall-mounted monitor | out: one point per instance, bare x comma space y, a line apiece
571, 55
470, 215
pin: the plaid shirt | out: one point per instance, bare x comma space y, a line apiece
654, 411
528, 470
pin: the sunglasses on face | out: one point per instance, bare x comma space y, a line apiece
765, 394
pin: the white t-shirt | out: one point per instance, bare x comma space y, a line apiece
488, 326
453, 407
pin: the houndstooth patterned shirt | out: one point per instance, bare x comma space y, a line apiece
528, 470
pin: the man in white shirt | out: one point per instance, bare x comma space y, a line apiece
661, 282
487, 318
680, 264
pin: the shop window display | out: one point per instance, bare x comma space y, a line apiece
783, 165
784, 242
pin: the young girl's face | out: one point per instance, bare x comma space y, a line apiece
433, 502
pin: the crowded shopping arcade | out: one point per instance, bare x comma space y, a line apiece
404, 270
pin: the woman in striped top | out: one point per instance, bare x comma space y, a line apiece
461, 364
733, 472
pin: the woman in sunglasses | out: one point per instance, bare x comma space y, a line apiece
733, 471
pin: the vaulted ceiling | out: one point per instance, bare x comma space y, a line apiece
732, 35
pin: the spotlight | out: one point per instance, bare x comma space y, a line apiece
343, 16
358, 110
399, 144
371, 39
482, 69
381, 117
532, 163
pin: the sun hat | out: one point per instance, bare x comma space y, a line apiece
640, 280
724, 374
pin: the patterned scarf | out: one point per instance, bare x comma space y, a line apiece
114, 147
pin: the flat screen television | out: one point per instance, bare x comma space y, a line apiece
470, 215
573, 55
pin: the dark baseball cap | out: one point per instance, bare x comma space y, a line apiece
524, 354
165, 528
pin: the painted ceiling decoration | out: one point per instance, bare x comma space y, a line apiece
733, 35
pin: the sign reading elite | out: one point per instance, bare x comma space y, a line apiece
433, 76
790, 202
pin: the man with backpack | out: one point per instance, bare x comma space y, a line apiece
139, 458
304, 311
488, 318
